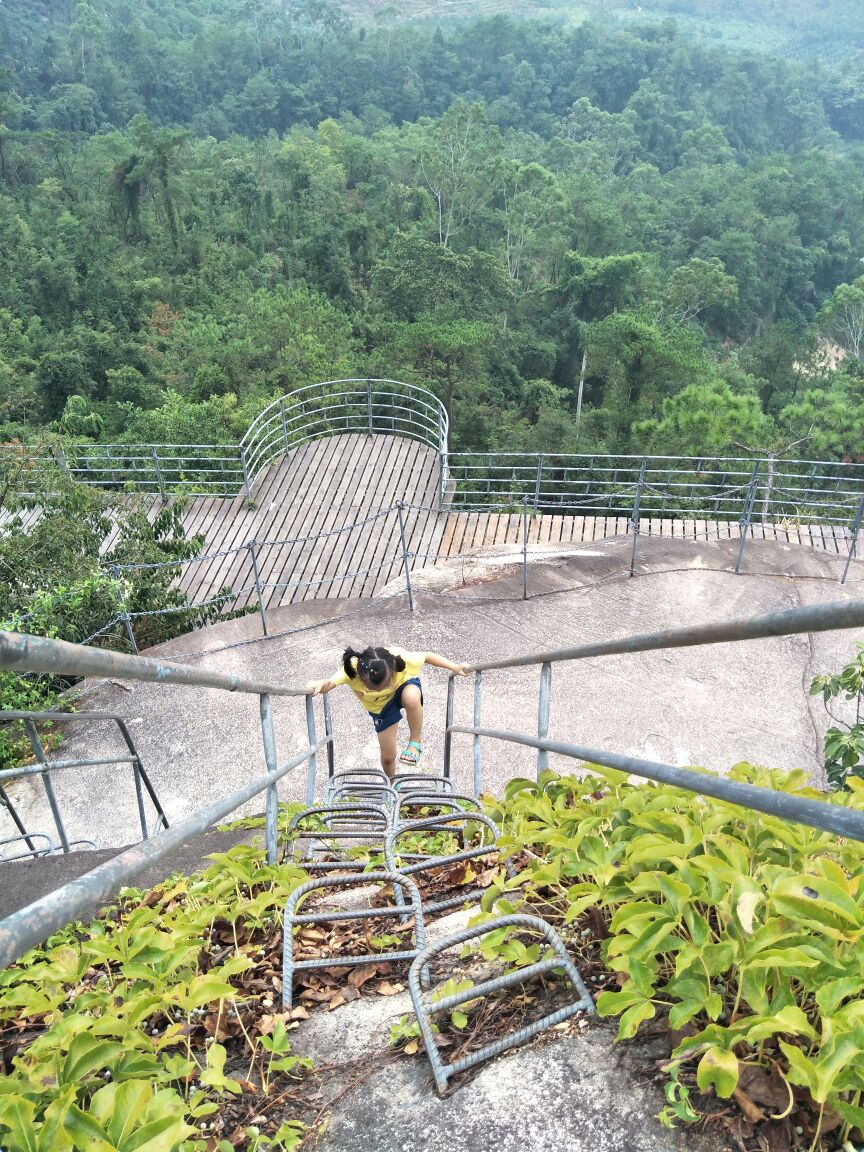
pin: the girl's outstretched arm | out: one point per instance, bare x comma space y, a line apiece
319, 687
442, 662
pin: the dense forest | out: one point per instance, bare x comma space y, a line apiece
205, 204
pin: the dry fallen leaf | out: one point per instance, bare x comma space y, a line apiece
360, 975
298, 1013
746, 908
411, 1047
751, 1110
385, 988
266, 1024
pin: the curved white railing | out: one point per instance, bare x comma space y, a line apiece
389, 407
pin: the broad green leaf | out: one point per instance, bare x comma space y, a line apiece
813, 898
718, 1069
162, 1135
802, 1070
831, 995
119, 1107
633, 1017
88, 1135
18, 1116
85, 1056
790, 1020
683, 1012
611, 1003
783, 958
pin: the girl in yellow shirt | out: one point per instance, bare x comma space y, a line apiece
386, 680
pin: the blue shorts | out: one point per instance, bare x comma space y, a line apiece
391, 713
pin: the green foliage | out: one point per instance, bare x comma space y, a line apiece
115, 1001
57, 581
844, 742
501, 208
742, 929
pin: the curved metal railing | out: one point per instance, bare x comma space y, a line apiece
371, 406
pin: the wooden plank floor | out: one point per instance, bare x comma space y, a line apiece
471, 531
321, 491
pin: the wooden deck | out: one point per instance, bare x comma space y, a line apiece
320, 490
472, 531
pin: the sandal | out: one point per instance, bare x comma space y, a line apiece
412, 753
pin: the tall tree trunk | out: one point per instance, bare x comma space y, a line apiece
581, 385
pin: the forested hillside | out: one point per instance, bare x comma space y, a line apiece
204, 204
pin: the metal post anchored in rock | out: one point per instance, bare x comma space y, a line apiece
405, 556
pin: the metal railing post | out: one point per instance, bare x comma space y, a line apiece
154, 455
114, 573
525, 548
634, 518
247, 487
448, 735
405, 566
251, 546
268, 736
284, 423
312, 763
543, 709
369, 407
7, 804
537, 482
747, 514
141, 778
328, 732
853, 543
39, 753
475, 750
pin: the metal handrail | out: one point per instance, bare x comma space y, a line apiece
29, 926
833, 818
22, 653
44, 766
38, 654
791, 622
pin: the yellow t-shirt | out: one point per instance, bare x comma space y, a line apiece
375, 699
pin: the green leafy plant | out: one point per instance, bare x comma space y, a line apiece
742, 929
109, 1010
844, 742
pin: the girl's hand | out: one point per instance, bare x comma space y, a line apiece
460, 670
315, 687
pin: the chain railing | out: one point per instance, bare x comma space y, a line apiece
259, 568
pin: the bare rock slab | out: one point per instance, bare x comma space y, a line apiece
569, 1094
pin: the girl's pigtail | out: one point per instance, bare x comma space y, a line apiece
347, 656
399, 663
